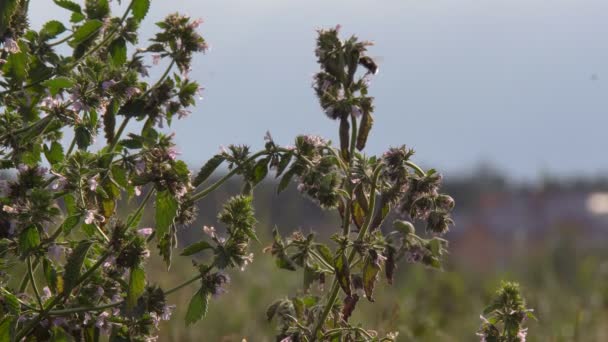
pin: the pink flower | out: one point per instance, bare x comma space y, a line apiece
55, 252
167, 311
11, 46
209, 231
156, 59
92, 183
137, 190
183, 113
172, 153
9, 210
105, 85
196, 23
145, 232
132, 91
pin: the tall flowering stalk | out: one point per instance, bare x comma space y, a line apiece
364, 190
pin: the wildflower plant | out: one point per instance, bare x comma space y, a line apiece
85, 259
363, 189
503, 320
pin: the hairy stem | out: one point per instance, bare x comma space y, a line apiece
30, 273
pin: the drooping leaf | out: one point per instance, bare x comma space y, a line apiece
165, 249
83, 137
137, 286
196, 247
366, 125
343, 272
349, 306
260, 171
272, 310
197, 308
370, 274
166, 210
74, 264
283, 163
286, 180
345, 138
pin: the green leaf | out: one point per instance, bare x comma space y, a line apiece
74, 264
69, 5
52, 28
5, 329
344, 138
58, 83
7, 9
197, 308
16, 66
118, 51
325, 253
286, 180
196, 247
272, 310
54, 154
140, 9
84, 32
370, 274
166, 210
83, 137
137, 286
59, 335
77, 17
10, 302
165, 249
343, 272
29, 239
366, 125
260, 171
208, 169
283, 163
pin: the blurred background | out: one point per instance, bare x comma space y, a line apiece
507, 98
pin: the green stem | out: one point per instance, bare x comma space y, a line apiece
141, 207
61, 41
222, 180
63, 312
184, 284
321, 260
335, 286
416, 168
30, 273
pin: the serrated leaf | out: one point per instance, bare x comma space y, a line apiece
16, 66
197, 308
58, 83
137, 286
345, 138
140, 9
207, 169
29, 239
84, 32
69, 5
74, 264
118, 51
52, 28
7, 9
286, 180
196, 247
166, 210
83, 137
54, 154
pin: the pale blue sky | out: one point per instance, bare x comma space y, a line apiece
461, 81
